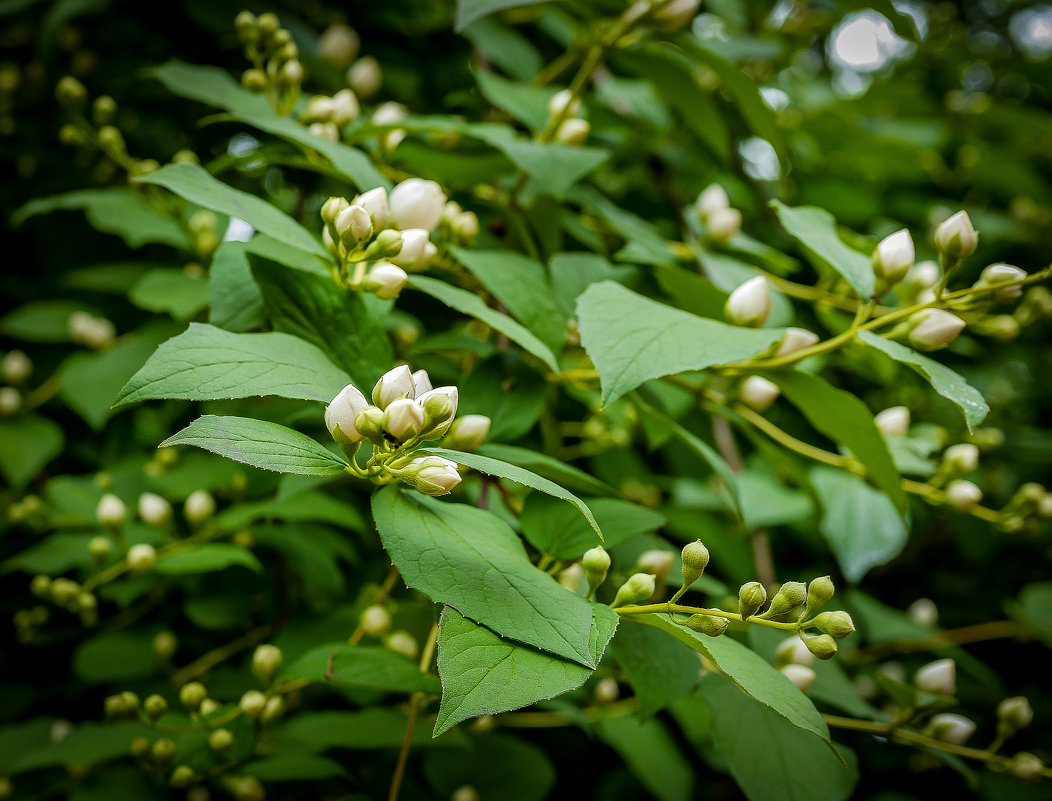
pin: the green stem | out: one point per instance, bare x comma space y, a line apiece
669, 608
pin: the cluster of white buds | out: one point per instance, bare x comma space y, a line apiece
459, 225
563, 108
276, 69
87, 329
722, 221
749, 304
327, 116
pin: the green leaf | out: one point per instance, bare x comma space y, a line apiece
27, 444
652, 755
523, 101
192, 182
371, 666
42, 320
495, 467
312, 505
54, 555
860, 524
815, 229
522, 285
546, 466
470, 10
659, 669
293, 768
215, 87
553, 168
471, 304
508, 390
344, 325
505, 47
943, 380
471, 560
237, 304
119, 656
376, 727
172, 291
88, 744
208, 363
206, 558
267, 446
770, 759
750, 673
496, 766
483, 673
632, 339
845, 419
768, 502
559, 532
115, 210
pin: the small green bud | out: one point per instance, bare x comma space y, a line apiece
707, 624
252, 703
164, 645
64, 590
254, 80
113, 706
332, 208
100, 547
596, 563
819, 591
104, 109
191, 695
141, 558
265, 662
1027, 766
369, 422
1014, 714
274, 709
822, 645
837, 625
111, 140
155, 706
268, 24
789, 596
40, 586
129, 702
221, 741
139, 747
246, 788
163, 751
751, 598
638, 588
695, 560
71, 93
387, 243
181, 776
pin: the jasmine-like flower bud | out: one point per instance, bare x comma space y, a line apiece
570, 578
319, 109
939, 677
749, 304
402, 642
751, 598
255, 80
657, 562
338, 45
596, 563
181, 776
221, 740
822, 645
86, 329
396, 383
1014, 714
153, 509
440, 407
1027, 766
345, 108
893, 421
412, 250
154, 706
70, 92
375, 620
370, 424
894, 256
956, 238
963, 495
934, 328
951, 728
1001, 274
404, 419
563, 103
962, 458
837, 625
10, 401
638, 588
467, 433
707, 624
341, 412
365, 76
266, 660
192, 694
606, 690
924, 612
291, 73
325, 130
252, 703
803, 677
417, 203
110, 511
353, 225
465, 225
573, 131
789, 596
432, 475
199, 507
375, 202
712, 199
819, 591
793, 651
272, 710
16, 367
386, 280
758, 393
722, 225
141, 558
695, 558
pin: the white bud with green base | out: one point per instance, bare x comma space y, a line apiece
266, 660
932, 329
749, 304
939, 677
340, 415
467, 433
893, 257
404, 419
596, 563
956, 238
396, 383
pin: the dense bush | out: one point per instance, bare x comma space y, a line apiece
553, 400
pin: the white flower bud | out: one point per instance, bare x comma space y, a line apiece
440, 407
331, 209
252, 703
345, 108
95, 332
385, 280
894, 421
319, 109
924, 612
394, 384
571, 577
758, 393
375, 202
421, 383
402, 642
573, 131
657, 562
963, 495
951, 728
375, 620
154, 509
325, 130
712, 199
413, 242
199, 507
432, 475
894, 256
956, 237
389, 114
338, 45
793, 651
934, 329
354, 224
606, 690
962, 458
800, 675
1001, 274
266, 660
417, 203
1015, 713
750, 303
110, 510
468, 432
364, 76
17, 366
1027, 766
403, 419
723, 225
10, 401
465, 225
563, 103
340, 414
939, 677
141, 558
924, 275
429, 253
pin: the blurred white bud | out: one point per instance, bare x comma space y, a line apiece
86, 329
394, 384
319, 109
894, 256
758, 393
606, 690
414, 241
154, 509
750, 303
464, 793
338, 45
375, 620
340, 414
934, 329
10, 401
345, 108
390, 113
924, 275
17, 366
563, 103
110, 510
365, 76
353, 225
956, 237
417, 203
199, 507
951, 728
924, 612
1000, 274
468, 432
573, 131
800, 675
796, 339
793, 651
962, 458
465, 225
963, 495
386, 280
657, 562
325, 130
894, 421
712, 199
723, 225
141, 558
677, 13
402, 642
571, 577
1015, 713
939, 677
375, 202
266, 660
